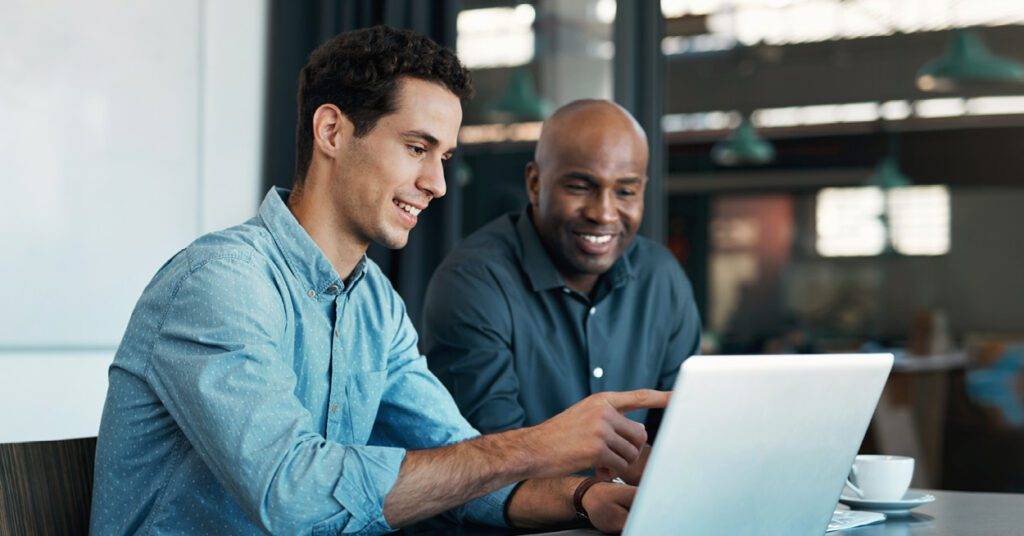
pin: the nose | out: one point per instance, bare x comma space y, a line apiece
601, 208
431, 180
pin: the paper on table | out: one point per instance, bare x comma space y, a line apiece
848, 519
841, 519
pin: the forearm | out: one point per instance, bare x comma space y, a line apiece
433, 481
543, 502
591, 433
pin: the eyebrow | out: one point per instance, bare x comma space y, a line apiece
580, 176
428, 138
592, 180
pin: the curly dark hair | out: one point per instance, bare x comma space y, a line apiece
358, 72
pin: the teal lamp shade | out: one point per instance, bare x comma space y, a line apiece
743, 146
967, 60
887, 175
521, 101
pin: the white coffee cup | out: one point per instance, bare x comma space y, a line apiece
876, 477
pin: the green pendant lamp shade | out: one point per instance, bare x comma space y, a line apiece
887, 175
520, 101
743, 146
967, 60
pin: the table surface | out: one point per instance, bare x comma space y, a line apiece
954, 513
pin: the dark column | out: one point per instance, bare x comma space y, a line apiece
639, 87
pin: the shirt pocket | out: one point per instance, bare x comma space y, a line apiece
363, 392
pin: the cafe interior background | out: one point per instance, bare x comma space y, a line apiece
833, 175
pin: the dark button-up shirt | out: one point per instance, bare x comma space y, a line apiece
515, 345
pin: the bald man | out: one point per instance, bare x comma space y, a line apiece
541, 308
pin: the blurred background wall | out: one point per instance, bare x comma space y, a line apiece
833, 175
129, 130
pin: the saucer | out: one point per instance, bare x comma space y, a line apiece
900, 508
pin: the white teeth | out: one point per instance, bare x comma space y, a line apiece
597, 239
408, 208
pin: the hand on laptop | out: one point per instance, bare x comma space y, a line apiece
594, 433
607, 505
633, 473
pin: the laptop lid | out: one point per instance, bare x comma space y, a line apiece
757, 444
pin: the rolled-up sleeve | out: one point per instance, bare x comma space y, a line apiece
419, 413
218, 371
468, 343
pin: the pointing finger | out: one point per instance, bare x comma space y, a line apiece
639, 399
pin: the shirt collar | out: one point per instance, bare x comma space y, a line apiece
305, 259
541, 269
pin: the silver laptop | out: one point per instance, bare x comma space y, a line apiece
757, 444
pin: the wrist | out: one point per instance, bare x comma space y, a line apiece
578, 498
569, 491
519, 459
532, 459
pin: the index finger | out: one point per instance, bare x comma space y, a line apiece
638, 399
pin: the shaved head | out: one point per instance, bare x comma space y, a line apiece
586, 185
572, 126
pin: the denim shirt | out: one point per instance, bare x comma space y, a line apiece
255, 391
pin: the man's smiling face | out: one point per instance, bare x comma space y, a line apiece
586, 188
387, 177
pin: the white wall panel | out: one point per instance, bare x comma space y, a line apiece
47, 396
126, 130
234, 76
99, 159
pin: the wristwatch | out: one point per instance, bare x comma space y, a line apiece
577, 498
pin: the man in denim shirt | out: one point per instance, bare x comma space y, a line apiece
269, 380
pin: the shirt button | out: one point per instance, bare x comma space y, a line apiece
598, 372
334, 408
592, 311
311, 293
333, 289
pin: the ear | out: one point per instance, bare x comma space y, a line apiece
533, 182
332, 130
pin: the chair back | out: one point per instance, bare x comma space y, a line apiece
46, 486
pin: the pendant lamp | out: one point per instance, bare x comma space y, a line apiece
743, 146
967, 60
